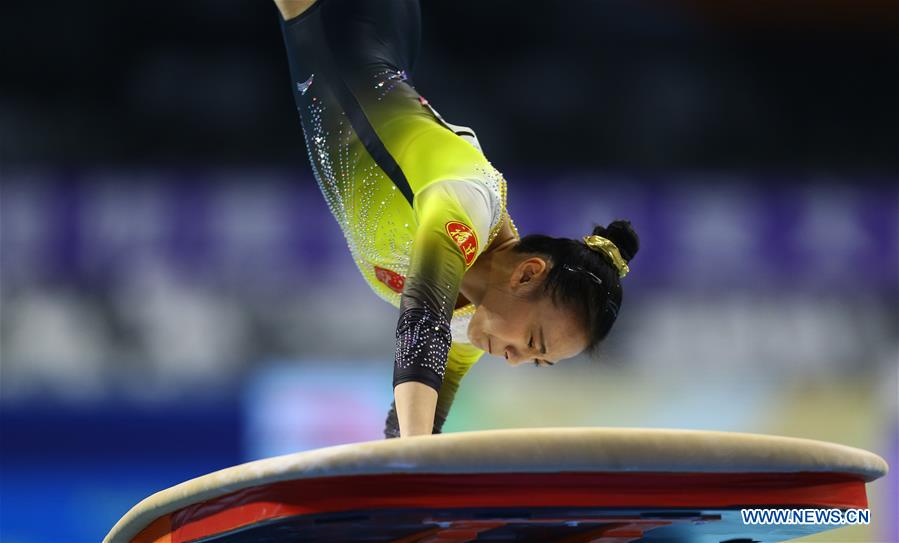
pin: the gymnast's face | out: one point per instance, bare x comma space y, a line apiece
518, 322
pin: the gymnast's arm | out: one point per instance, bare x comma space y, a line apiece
423, 337
416, 404
462, 357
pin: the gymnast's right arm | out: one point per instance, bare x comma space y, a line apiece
445, 245
462, 356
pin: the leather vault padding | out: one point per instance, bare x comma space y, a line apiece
537, 450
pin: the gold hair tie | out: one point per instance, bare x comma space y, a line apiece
609, 250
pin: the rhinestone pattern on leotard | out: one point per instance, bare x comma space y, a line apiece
358, 193
423, 340
387, 80
355, 191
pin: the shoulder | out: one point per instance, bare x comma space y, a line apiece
473, 197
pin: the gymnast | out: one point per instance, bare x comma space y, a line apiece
424, 214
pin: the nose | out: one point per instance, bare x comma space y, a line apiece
513, 357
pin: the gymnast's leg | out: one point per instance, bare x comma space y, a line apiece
292, 8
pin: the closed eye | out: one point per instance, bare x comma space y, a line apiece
537, 363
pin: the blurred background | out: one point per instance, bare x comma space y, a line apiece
176, 298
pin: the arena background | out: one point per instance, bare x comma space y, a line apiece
176, 298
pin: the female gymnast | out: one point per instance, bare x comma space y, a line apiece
424, 214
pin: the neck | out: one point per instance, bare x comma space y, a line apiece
496, 260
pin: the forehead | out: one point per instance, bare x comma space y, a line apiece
564, 334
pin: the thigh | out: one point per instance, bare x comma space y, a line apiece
369, 34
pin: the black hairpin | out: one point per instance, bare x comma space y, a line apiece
581, 269
611, 306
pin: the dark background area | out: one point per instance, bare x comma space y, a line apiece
602, 84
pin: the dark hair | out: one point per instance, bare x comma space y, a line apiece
577, 271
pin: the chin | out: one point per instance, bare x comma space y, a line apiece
476, 338
480, 342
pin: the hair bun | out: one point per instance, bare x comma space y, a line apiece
622, 235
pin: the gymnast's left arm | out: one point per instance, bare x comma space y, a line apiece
445, 245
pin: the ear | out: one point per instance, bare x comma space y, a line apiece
528, 274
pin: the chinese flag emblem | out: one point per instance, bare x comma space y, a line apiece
390, 278
465, 238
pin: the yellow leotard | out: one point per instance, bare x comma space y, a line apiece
415, 197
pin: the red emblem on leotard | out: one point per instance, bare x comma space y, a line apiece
390, 278
465, 238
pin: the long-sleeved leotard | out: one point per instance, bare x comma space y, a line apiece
415, 196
